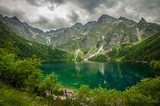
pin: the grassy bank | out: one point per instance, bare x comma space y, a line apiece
145, 93
10, 96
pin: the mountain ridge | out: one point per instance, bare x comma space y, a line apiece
24, 48
94, 36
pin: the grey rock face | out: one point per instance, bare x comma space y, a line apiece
131, 22
23, 29
106, 19
107, 31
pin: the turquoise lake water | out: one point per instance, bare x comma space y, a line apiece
109, 75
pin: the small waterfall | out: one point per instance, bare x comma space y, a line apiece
76, 54
96, 53
138, 34
48, 40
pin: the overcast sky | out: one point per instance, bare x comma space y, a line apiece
52, 14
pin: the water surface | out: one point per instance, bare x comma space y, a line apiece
109, 75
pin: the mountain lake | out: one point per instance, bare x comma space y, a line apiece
108, 75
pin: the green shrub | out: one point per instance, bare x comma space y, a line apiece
49, 84
98, 58
84, 95
102, 96
99, 96
145, 93
155, 64
23, 74
13, 97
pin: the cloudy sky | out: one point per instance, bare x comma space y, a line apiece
52, 14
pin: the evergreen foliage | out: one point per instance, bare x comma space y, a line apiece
12, 97
98, 96
146, 50
25, 74
19, 73
49, 83
156, 65
145, 93
24, 48
98, 58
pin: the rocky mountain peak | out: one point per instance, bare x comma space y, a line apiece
15, 18
90, 22
142, 21
122, 18
77, 25
127, 20
105, 18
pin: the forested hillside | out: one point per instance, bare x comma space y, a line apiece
25, 48
146, 50
102, 34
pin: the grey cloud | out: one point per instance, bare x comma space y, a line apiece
74, 17
57, 1
5, 11
42, 2
59, 23
139, 8
110, 3
91, 5
42, 20
33, 2
149, 9
145, 6
46, 24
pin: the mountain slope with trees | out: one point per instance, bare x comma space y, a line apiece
25, 48
146, 50
106, 31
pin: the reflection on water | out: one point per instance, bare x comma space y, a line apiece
108, 75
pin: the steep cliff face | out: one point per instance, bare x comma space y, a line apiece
63, 35
25, 48
23, 29
109, 31
148, 29
103, 34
